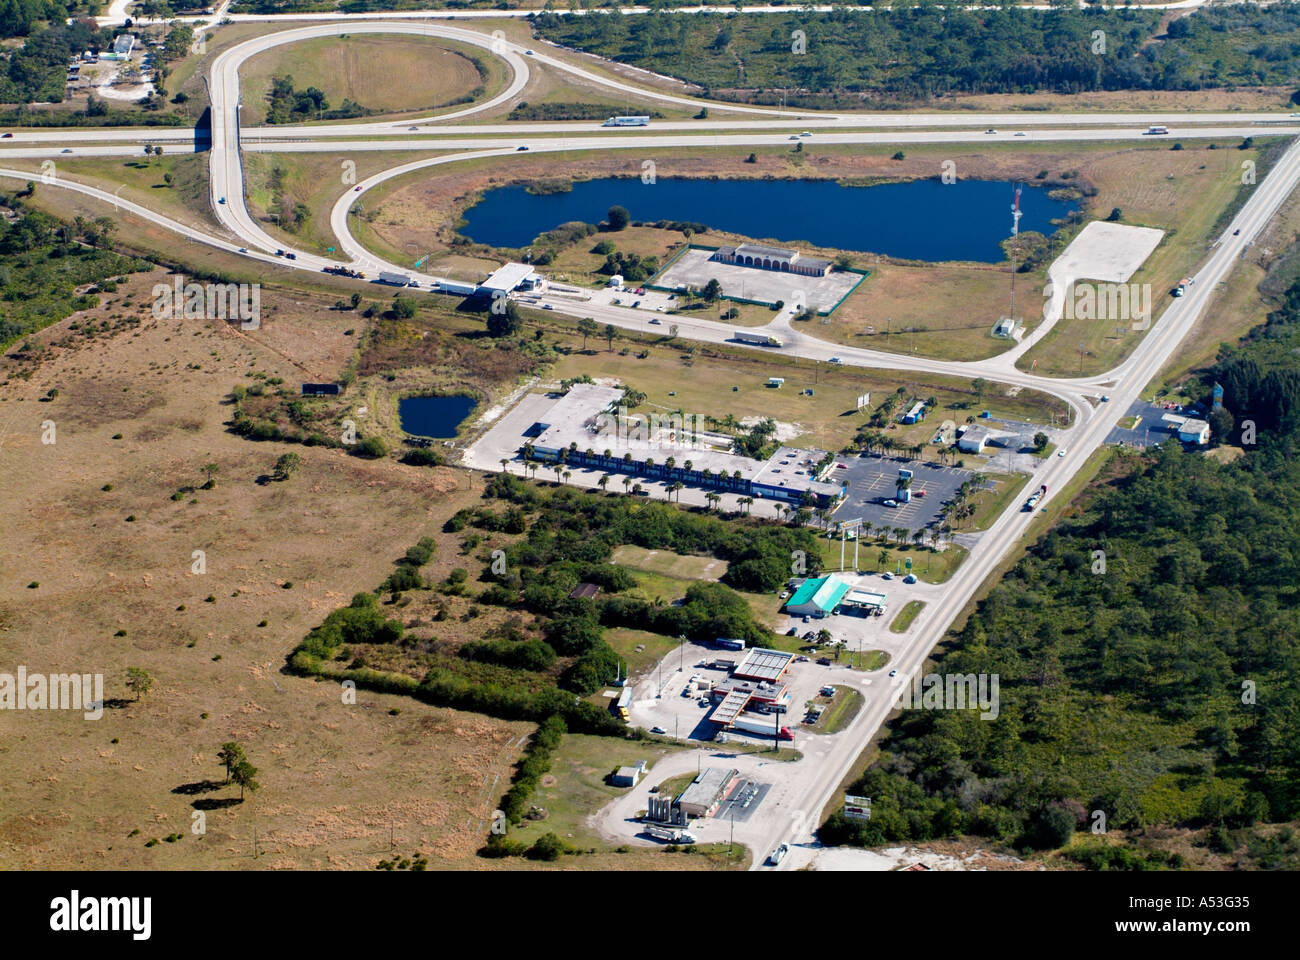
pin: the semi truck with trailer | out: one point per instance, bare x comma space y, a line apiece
627, 122
760, 339
762, 727
395, 279
1036, 497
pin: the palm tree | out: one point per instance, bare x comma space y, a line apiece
603, 482
504, 461
747, 503
636, 489
677, 488
627, 482
687, 465
567, 475
880, 560
670, 463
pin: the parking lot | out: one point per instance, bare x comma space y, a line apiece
695, 269
873, 479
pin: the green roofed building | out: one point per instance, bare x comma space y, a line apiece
818, 596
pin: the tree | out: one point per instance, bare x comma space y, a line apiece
586, 327
618, 217
712, 291
138, 681
286, 465
1115, 215
243, 773
1040, 441
505, 323
230, 755
611, 332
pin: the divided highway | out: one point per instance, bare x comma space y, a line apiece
1093, 420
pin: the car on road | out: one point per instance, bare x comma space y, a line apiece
1020, 133
836, 360
655, 320
806, 133
520, 149
528, 52
794, 136
67, 150
279, 253
222, 200
1105, 399
547, 306
990, 130
291, 256
8, 136
358, 190
636, 303
412, 128
243, 249
893, 673
1061, 452
1236, 232
656, 730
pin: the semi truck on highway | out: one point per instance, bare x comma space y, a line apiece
1036, 497
1157, 131
761, 727
627, 122
395, 279
761, 339
670, 834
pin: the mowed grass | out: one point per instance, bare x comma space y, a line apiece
390, 74
905, 616
942, 310
141, 181
843, 708
316, 181
721, 380
669, 563
625, 641
278, 558
576, 788
1183, 192
929, 565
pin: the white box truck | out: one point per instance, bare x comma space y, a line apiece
395, 279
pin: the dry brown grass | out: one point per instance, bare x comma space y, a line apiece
333, 776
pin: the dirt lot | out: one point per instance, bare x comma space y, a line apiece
334, 778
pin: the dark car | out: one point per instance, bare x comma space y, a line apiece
291, 256
823, 661
8, 135
791, 632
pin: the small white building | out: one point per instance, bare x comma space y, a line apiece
628, 776
1194, 431
616, 280
974, 439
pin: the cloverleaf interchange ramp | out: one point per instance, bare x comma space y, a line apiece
799, 806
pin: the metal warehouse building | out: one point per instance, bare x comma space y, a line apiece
706, 793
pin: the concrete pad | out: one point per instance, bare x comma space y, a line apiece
695, 269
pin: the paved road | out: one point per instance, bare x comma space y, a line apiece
801, 805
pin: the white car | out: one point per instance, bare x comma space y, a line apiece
1061, 452
893, 673
990, 130
777, 855
1020, 133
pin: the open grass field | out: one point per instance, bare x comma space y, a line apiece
389, 74
114, 594
660, 588
669, 564
1183, 192
990, 502
718, 381
143, 181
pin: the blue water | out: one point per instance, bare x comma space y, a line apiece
919, 220
437, 417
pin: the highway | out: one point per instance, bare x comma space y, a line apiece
800, 808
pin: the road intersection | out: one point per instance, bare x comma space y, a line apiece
801, 806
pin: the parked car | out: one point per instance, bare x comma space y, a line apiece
792, 631
910, 578
886, 576
823, 661
891, 503
800, 659
660, 730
